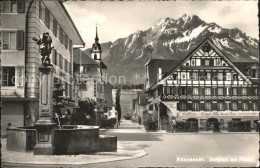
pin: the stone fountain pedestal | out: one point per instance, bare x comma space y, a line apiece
44, 125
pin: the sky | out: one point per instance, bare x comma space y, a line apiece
119, 19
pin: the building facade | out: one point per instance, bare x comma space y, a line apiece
90, 72
20, 22
204, 87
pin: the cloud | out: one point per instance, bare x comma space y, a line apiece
95, 17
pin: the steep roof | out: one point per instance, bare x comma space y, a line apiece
216, 49
79, 57
153, 65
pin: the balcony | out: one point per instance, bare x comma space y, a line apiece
169, 97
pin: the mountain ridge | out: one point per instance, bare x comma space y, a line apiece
173, 39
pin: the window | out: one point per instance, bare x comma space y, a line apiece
70, 46
220, 106
220, 76
234, 106
195, 106
245, 106
168, 90
235, 77
254, 106
214, 91
13, 6
8, 76
9, 40
208, 106
47, 18
60, 61
228, 76
195, 91
193, 62
54, 57
83, 86
254, 73
174, 76
255, 91
207, 62
208, 76
194, 76
220, 91
183, 75
217, 62
66, 42
227, 105
244, 91
40, 10
183, 90
183, 106
60, 34
207, 91
198, 62
227, 91
159, 73
5, 7
234, 91
54, 27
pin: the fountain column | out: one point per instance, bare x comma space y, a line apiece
44, 125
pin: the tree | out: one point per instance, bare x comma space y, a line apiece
86, 114
118, 107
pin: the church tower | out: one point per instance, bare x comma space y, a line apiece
96, 49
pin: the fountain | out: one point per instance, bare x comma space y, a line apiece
45, 137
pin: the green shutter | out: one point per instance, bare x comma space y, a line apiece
21, 6
20, 40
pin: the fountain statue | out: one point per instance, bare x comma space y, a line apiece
45, 125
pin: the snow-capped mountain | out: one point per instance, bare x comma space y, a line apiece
174, 39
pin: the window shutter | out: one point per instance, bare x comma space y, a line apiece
20, 6
20, 40
178, 106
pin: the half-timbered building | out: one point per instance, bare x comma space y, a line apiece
206, 86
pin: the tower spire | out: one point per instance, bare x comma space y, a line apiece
96, 39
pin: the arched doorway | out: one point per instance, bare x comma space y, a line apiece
192, 125
213, 124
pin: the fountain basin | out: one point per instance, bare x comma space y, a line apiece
69, 140
21, 138
75, 139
